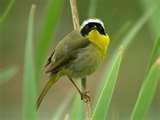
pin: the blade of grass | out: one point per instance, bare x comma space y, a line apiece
147, 92
136, 28
154, 22
92, 8
50, 21
6, 12
60, 112
7, 74
106, 89
77, 109
29, 83
121, 32
104, 98
155, 53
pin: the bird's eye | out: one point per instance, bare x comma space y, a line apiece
87, 27
101, 29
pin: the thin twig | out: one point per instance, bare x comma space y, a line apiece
88, 111
75, 16
76, 26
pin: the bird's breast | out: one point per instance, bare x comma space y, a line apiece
87, 61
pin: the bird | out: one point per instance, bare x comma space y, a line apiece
77, 55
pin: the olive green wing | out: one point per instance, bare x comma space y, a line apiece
66, 50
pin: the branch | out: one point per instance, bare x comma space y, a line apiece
75, 16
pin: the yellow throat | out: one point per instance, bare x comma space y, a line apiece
99, 40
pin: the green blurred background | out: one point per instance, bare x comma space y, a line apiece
115, 15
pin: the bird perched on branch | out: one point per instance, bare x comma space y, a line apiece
77, 55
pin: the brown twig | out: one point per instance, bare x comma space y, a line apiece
76, 26
88, 111
75, 16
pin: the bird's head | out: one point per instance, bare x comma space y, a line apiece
94, 30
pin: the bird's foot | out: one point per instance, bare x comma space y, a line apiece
85, 97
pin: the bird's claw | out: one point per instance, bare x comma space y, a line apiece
85, 97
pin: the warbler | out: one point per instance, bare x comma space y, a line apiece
77, 55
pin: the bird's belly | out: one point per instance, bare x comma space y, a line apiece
87, 61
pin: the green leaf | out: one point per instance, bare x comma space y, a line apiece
121, 32
7, 74
6, 12
107, 88
136, 28
92, 8
154, 22
50, 21
155, 52
77, 109
147, 92
29, 83
60, 112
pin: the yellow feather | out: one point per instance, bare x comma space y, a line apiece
99, 40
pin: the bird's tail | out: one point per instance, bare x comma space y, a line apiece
52, 79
